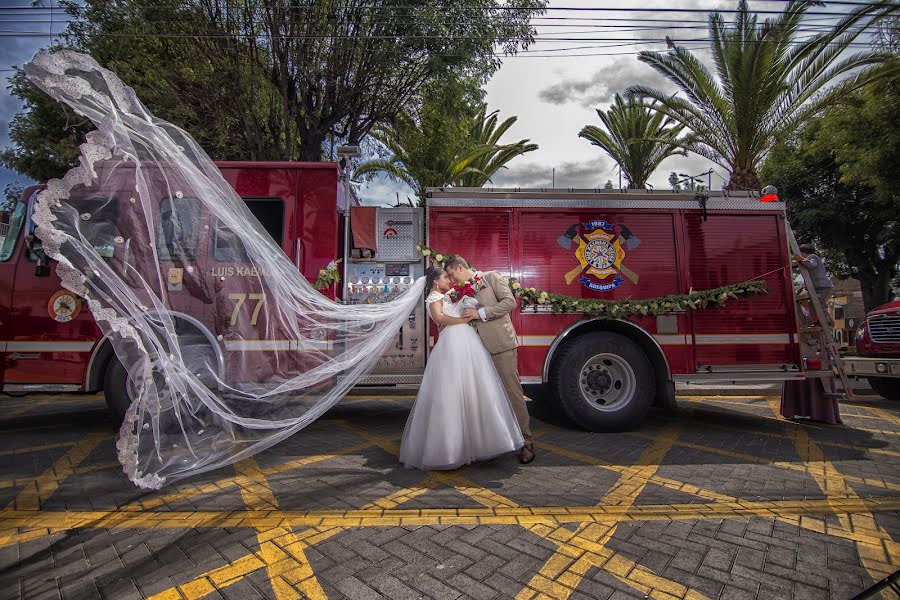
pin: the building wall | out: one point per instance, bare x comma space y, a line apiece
847, 310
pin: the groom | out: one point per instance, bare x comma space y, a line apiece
495, 327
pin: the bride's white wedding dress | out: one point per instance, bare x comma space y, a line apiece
462, 413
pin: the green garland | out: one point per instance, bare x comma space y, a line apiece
617, 309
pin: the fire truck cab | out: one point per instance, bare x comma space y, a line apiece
878, 350
49, 341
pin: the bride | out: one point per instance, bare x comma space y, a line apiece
462, 413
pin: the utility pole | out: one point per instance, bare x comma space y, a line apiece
695, 179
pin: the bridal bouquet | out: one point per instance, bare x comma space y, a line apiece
462, 290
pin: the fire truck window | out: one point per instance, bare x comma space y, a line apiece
227, 246
97, 223
178, 232
9, 232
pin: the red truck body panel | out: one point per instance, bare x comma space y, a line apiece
45, 349
678, 251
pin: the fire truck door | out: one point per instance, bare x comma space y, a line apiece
259, 348
51, 333
749, 333
10, 235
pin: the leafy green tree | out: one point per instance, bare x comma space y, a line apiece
674, 182
839, 177
46, 134
276, 79
12, 192
768, 81
452, 140
637, 136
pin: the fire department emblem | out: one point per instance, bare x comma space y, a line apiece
63, 306
600, 247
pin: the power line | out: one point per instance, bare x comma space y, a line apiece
509, 8
631, 28
264, 35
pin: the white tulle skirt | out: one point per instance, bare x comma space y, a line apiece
462, 413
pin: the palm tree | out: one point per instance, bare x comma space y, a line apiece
485, 133
768, 82
637, 136
469, 160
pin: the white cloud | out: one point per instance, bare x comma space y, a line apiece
601, 87
582, 175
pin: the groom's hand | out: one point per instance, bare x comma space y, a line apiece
471, 314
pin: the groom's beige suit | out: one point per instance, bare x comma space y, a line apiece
499, 337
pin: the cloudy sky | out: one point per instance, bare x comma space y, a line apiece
554, 89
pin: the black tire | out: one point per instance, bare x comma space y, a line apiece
609, 397
197, 353
886, 387
115, 389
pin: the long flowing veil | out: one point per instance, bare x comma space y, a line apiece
142, 202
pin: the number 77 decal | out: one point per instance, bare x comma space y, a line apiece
240, 299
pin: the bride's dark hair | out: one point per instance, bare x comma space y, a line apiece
431, 275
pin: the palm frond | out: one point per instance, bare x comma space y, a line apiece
766, 82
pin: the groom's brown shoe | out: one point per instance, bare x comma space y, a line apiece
526, 454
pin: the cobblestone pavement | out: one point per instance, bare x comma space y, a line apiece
723, 500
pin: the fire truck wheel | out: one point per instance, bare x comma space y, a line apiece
115, 388
604, 382
886, 387
119, 387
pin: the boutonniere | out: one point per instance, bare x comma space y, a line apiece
477, 282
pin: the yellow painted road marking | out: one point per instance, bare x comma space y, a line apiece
278, 543
726, 399
18, 482
884, 415
507, 511
43, 486
858, 524
228, 482
585, 548
17, 412
285, 561
372, 515
761, 460
29, 449
773, 509
875, 556
770, 434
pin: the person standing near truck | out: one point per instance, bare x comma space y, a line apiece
807, 398
814, 263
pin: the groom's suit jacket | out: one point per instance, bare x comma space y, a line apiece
497, 332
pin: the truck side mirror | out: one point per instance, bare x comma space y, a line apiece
42, 268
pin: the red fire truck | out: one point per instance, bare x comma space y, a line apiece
878, 350
49, 340
605, 373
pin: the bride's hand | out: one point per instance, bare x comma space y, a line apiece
471, 314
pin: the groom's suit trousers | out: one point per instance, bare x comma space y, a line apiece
507, 365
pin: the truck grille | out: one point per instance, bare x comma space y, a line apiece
885, 329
